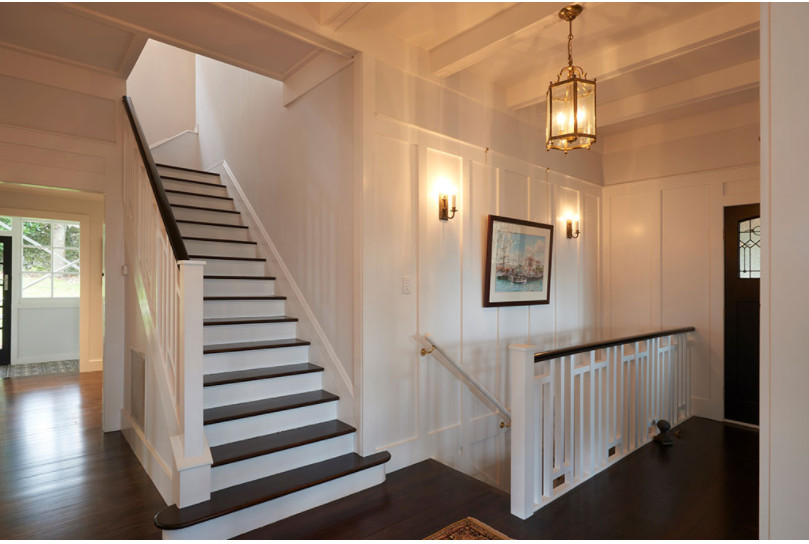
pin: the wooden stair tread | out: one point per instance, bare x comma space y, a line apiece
238, 376
214, 321
212, 224
183, 168
203, 208
271, 443
252, 493
178, 192
226, 258
247, 297
183, 180
222, 240
259, 344
270, 405
215, 277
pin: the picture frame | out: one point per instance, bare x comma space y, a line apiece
518, 262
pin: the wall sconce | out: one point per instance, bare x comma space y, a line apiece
573, 227
444, 209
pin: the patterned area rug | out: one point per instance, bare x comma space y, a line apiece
468, 529
39, 369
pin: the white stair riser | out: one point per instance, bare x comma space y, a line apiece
208, 216
193, 176
198, 188
219, 267
213, 231
251, 427
243, 521
254, 358
243, 308
201, 200
266, 465
233, 393
226, 334
221, 249
238, 288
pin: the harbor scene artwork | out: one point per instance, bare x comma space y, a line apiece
518, 262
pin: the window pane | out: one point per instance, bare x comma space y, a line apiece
36, 284
36, 260
66, 285
750, 248
34, 233
5, 223
72, 236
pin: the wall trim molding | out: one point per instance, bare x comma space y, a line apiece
170, 138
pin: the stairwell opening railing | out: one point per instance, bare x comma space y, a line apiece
578, 410
477, 389
169, 289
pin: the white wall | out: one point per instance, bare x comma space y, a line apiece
162, 85
295, 165
411, 405
65, 132
664, 262
784, 471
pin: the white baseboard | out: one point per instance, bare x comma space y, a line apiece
46, 358
155, 467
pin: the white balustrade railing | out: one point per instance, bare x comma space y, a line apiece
170, 299
577, 411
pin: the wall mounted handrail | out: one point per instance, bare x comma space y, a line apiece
608, 343
169, 221
477, 389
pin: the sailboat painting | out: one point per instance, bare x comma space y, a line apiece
518, 262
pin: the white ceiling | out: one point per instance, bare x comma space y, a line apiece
654, 61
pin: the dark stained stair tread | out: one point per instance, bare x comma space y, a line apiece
215, 321
271, 405
224, 258
268, 278
184, 169
259, 344
177, 192
252, 493
271, 443
183, 180
212, 224
246, 297
203, 208
221, 240
223, 378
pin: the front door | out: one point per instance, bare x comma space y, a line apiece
5, 301
742, 273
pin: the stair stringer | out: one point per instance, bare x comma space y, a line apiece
335, 377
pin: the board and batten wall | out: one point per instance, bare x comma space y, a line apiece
664, 264
413, 407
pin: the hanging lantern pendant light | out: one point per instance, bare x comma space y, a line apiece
571, 102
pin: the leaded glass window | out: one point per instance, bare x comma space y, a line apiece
750, 248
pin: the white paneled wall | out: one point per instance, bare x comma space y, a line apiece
663, 265
413, 407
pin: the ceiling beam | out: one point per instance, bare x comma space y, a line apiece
490, 36
722, 23
732, 80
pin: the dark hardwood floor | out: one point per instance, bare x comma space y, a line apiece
705, 486
61, 477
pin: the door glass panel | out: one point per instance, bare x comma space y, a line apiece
750, 248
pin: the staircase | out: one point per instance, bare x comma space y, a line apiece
277, 446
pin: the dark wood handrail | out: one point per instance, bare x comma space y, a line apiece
169, 221
581, 348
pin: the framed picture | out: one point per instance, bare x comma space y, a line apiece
518, 262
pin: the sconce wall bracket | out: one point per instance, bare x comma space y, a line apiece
444, 209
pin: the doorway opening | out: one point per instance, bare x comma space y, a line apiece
742, 294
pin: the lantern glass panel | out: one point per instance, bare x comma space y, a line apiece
586, 107
561, 104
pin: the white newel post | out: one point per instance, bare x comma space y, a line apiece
523, 429
193, 484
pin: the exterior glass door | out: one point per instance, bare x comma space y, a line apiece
5, 301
